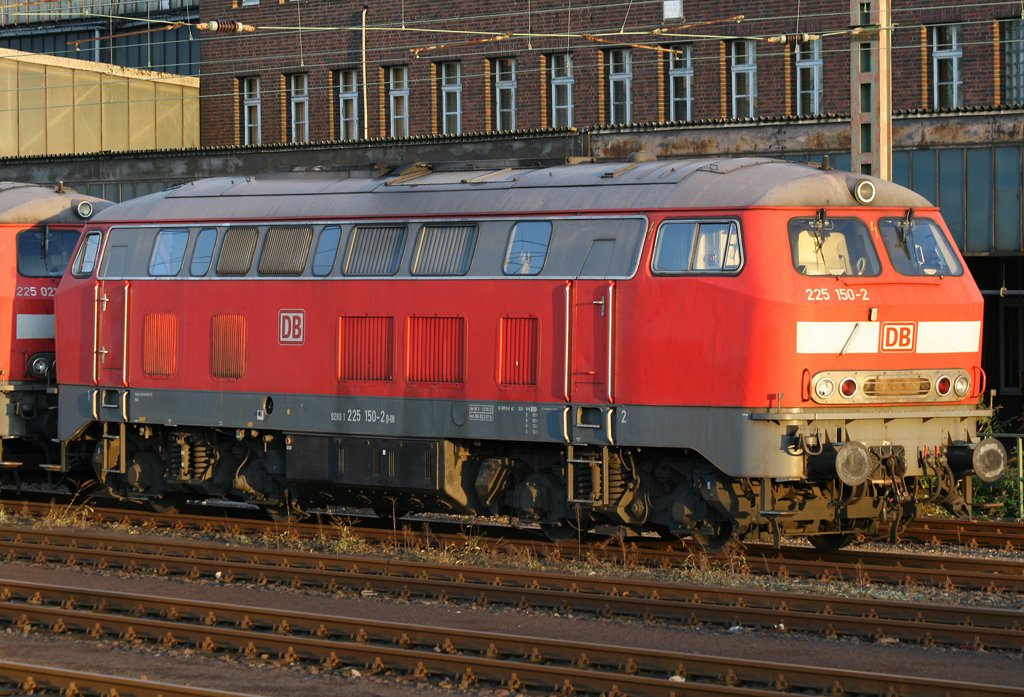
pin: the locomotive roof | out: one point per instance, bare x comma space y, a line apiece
33, 204
594, 187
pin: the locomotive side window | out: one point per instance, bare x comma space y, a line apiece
918, 247
698, 247
202, 255
237, 251
527, 248
45, 253
326, 250
86, 261
444, 250
375, 251
825, 246
168, 253
285, 250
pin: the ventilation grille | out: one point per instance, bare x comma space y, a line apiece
286, 250
436, 349
365, 348
160, 344
518, 351
237, 251
375, 251
228, 346
911, 386
444, 250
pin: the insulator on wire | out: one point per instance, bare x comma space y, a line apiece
226, 27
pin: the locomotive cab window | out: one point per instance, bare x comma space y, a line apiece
85, 263
444, 250
698, 247
527, 248
918, 247
823, 246
168, 253
202, 254
45, 253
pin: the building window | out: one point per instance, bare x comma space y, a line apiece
298, 107
680, 83
743, 68
398, 98
251, 134
1013, 61
505, 94
451, 97
348, 105
808, 77
620, 85
946, 76
561, 82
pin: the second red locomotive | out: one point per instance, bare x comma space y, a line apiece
707, 347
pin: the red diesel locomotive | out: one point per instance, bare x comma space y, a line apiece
706, 347
39, 228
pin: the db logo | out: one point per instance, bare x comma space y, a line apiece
291, 326
898, 336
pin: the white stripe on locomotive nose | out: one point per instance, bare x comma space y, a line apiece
863, 337
948, 337
34, 327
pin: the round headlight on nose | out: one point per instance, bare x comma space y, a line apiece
40, 365
824, 388
962, 385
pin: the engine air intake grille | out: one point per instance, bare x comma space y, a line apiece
365, 348
160, 344
436, 349
228, 346
518, 352
897, 386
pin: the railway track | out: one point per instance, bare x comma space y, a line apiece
974, 533
970, 627
463, 657
26, 679
992, 575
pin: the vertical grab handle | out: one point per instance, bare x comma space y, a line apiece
568, 337
124, 345
611, 336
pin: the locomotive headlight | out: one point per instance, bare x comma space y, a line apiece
848, 387
824, 388
40, 365
962, 385
943, 385
84, 209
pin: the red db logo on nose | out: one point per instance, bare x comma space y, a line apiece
291, 326
898, 336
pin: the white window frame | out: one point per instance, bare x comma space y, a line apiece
809, 77
398, 101
505, 94
450, 79
348, 104
298, 107
561, 85
949, 55
680, 79
1013, 61
743, 71
620, 85
252, 133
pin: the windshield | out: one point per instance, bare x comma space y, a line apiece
45, 253
824, 246
918, 247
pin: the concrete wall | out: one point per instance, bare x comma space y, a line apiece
52, 105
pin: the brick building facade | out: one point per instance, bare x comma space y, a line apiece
459, 67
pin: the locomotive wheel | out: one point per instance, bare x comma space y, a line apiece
165, 505
831, 543
558, 531
717, 537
